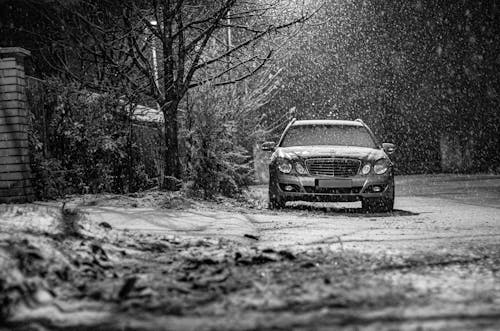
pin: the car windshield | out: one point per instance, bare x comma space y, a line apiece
336, 135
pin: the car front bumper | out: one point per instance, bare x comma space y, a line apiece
308, 188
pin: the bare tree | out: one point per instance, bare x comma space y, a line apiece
159, 49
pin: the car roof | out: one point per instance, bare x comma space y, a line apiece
327, 122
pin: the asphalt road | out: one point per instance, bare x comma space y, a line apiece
433, 212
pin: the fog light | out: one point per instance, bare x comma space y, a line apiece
376, 189
289, 188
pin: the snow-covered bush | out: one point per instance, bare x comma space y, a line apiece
82, 142
216, 161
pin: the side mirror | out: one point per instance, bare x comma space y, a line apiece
389, 148
268, 146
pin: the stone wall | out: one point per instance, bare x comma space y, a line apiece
15, 172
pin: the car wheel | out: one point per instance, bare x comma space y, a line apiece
276, 201
379, 205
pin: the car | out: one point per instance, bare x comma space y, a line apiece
331, 161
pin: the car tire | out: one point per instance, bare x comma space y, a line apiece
379, 205
276, 201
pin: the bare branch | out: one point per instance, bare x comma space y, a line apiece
194, 65
269, 30
237, 79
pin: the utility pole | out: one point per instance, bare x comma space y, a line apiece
155, 61
229, 42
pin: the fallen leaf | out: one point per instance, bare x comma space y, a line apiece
105, 225
250, 236
127, 287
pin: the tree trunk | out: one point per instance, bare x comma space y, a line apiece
171, 155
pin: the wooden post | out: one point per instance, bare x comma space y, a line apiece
15, 172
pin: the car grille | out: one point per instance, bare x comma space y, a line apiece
328, 190
336, 167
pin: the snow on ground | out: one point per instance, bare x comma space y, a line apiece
134, 262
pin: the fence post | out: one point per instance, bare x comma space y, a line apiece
15, 172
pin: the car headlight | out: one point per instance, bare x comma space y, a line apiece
366, 169
381, 166
300, 169
285, 166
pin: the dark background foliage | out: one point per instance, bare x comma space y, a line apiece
415, 71
82, 142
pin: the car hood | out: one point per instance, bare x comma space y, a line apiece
306, 152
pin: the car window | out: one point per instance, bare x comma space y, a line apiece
337, 135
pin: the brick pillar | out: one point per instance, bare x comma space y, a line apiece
15, 172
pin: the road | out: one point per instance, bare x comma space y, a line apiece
431, 212
431, 264
448, 225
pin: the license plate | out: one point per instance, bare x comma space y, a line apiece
334, 183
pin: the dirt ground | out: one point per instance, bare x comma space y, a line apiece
158, 261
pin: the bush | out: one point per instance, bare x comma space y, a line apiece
83, 142
217, 163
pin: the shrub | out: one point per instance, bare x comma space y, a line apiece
83, 142
217, 163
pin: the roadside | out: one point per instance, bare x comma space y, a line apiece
480, 190
88, 276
